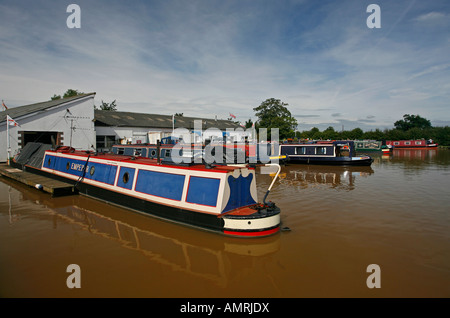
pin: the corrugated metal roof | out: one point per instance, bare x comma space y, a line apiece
17, 112
122, 119
130, 119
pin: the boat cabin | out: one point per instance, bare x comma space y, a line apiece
324, 152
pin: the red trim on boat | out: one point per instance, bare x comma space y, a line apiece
252, 234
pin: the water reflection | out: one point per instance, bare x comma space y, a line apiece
416, 158
175, 247
415, 154
331, 176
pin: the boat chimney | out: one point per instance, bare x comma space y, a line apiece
158, 151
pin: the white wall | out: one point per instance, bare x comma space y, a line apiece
131, 133
137, 133
55, 119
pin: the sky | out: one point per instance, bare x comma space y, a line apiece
208, 58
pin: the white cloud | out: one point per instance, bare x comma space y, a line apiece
213, 58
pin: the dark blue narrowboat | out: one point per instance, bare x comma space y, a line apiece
220, 198
325, 153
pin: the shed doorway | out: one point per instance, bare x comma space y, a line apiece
45, 137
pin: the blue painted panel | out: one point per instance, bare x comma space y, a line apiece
101, 172
203, 191
129, 151
239, 192
166, 185
49, 162
129, 179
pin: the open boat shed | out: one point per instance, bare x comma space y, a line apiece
67, 122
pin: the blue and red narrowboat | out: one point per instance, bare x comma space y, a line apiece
219, 198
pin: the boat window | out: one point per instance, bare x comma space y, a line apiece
407, 143
360, 145
126, 177
138, 151
321, 151
120, 151
92, 170
396, 143
418, 142
167, 153
300, 150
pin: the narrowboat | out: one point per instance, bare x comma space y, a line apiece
412, 144
372, 145
368, 145
247, 153
219, 198
325, 153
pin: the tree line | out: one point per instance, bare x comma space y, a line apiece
440, 135
272, 113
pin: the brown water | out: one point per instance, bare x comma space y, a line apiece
394, 214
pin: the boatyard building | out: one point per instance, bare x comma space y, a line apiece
67, 122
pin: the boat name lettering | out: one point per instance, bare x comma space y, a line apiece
77, 166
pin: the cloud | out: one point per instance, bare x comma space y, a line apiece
215, 57
433, 17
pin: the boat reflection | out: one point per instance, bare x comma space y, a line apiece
419, 154
331, 176
198, 253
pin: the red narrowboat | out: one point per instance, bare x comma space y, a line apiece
412, 144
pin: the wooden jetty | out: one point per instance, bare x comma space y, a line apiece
52, 186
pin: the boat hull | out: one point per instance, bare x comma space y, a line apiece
351, 161
267, 221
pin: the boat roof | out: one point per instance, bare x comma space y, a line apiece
148, 161
321, 142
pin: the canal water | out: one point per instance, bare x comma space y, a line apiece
337, 222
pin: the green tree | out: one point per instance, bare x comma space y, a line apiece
69, 93
72, 92
412, 121
249, 123
330, 134
272, 113
107, 106
374, 135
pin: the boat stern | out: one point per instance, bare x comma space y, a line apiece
254, 221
